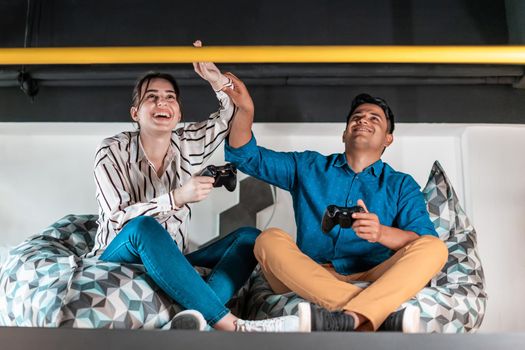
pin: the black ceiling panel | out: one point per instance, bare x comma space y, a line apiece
240, 22
282, 93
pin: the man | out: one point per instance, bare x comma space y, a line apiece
392, 244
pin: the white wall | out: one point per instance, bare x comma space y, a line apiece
495, 187
46, 173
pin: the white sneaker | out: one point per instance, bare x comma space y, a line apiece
277, 324
411, 319
187, 319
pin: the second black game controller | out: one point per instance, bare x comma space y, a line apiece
341, 216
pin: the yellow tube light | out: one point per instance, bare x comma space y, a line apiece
266, 54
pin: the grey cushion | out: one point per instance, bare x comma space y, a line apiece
46, 283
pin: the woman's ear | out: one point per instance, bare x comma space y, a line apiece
133, 112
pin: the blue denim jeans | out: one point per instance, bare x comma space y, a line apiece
144, 240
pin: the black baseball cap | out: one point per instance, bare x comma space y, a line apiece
378, 101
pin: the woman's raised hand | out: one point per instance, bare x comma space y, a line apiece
209, 72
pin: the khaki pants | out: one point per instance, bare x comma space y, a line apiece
394, 281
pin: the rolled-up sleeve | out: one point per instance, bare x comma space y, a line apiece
198, 141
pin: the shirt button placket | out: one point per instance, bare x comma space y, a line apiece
349, 197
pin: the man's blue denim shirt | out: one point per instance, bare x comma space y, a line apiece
316, 181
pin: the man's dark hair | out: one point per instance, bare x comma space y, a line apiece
138, 95
366, 98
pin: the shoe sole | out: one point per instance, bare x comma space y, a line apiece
197, 316
305, 317
411, 319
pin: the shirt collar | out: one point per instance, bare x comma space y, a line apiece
135, 148
340, 160
374, 168
171, 153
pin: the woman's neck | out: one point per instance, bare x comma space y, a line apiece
155, 148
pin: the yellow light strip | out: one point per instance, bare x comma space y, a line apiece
266, 54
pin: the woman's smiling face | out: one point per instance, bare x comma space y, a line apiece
158, 109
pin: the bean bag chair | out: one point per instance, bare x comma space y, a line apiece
45, 282
453, 302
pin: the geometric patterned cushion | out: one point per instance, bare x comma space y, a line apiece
74, 231
112, 295
46, 283
34, 281
453, 226
453, 302
462, 275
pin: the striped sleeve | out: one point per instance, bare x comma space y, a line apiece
201, 139
115, 198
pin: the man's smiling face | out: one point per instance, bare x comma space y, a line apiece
367, 128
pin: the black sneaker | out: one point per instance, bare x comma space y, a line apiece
320, 319
188, 319
405, 320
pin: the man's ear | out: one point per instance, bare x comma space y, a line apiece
389, 139
343, 137
133, 112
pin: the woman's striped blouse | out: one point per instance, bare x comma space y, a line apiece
128, 186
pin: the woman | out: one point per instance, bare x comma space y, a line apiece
145, 185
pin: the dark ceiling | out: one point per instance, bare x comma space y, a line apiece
282, 92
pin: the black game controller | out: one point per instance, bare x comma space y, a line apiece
341, 216
225, 175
